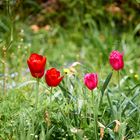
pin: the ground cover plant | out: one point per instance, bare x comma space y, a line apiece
69, 70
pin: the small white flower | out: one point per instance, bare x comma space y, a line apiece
74, 130
131, 71
32, 134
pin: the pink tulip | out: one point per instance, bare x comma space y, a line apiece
91, 80
116, 60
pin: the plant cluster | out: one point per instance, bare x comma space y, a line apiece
37, 64
72, 93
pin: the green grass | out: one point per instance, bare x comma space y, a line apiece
70, 111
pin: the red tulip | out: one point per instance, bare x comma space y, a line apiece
36, 64
52, 77
116, 60
91, 80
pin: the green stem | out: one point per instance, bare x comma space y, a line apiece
51, 90
101, 99
37, 92
118, 135
110, 104
95, 108
119, 86
119, 91
4, 70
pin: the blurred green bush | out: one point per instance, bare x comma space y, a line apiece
76, 13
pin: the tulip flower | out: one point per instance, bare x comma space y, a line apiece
36, 65
91, 80
116, 60
53, 77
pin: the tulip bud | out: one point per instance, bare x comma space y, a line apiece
91, 80
52, 77
116, 60
36, 64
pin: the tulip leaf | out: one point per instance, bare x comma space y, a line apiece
25, 84
106, 83
107, 80
67, 94
127, 101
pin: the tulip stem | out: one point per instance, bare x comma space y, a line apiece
95, 108
51, 90
119, 80
4, 70
37, 92
110, 104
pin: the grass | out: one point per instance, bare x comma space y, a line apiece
70, 111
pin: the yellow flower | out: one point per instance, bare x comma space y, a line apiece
66, 71
71, 70
136, 76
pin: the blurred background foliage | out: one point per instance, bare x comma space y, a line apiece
75, 13
82, 27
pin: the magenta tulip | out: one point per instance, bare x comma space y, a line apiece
116, 60
91, 80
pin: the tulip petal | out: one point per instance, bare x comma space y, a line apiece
36, 64
91, 80
116, 60
52, 77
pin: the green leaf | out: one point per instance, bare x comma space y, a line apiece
106, 83
105, 86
